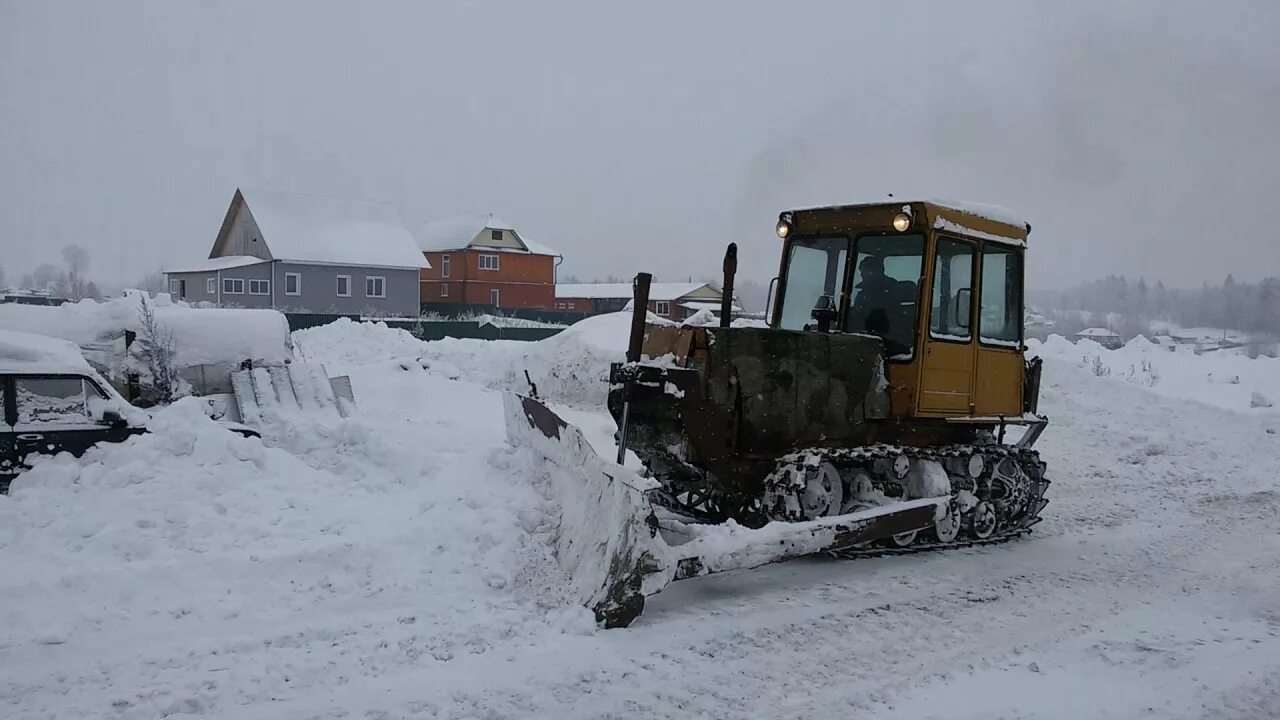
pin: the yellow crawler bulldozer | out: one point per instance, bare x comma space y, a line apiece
886, 408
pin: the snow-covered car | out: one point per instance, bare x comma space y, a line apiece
53, 402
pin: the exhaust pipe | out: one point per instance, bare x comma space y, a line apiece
730, 270
639, 318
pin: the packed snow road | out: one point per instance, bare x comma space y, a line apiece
389, 566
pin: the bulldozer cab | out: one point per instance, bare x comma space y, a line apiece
940, 285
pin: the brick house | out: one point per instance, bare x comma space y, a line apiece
481, 260
674, 301
304, 253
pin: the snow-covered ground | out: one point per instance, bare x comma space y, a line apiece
394, 565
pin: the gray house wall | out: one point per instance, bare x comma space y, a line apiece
319, 289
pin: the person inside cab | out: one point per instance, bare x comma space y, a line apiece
882, 306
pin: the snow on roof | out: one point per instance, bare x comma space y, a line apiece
601, 291
205, 336
28, 352
1097, 332
995, 213
706, 305
311, 228
457, 233
219, 263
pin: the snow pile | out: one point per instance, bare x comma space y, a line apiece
571, 367
408, 537
1225, 378
345, 343
201, 336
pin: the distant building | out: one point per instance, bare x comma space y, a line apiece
1104, 337
674, 301
482, 260
305, 253
30, 297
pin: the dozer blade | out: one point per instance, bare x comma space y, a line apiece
609, 542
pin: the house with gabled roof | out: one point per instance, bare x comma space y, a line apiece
482, 260
673, 301
306, 253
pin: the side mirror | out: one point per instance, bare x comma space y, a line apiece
964, 307
114, 420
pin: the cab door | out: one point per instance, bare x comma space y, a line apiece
1000, 359
949, 347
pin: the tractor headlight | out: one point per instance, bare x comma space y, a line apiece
901, 222
783, 229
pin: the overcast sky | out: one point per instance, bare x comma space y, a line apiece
1137, 137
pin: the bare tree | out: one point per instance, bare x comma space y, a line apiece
2, 276
77, 261
44, 277
28, 282
153, 283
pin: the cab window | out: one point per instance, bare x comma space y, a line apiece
952, 291
52, 401
815, 268
1001, 319
885, 291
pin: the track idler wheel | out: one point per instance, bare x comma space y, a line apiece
983, 521
947, 529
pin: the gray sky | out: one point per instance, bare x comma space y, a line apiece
1137, 137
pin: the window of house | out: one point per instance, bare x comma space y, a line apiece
495, 235
173, 287
1000, 322
344, 286
293, 283
375, 286
444, 289
663, 308
952, 303
570, 306
259, 287
494, 298
488, 262
232, 286
445, 268
211, 286
51, 401
561, 306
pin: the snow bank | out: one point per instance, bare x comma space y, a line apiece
410, 528
1226, 378
201, 336
571, 367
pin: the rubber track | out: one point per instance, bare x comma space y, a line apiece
880, 551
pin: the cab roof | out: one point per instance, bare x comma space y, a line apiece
988, 222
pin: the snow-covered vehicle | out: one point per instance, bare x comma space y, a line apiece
53, 401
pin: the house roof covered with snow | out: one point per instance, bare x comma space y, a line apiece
606, 291
1097, 332
22, 352
225, 262
468, 231
303, 228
